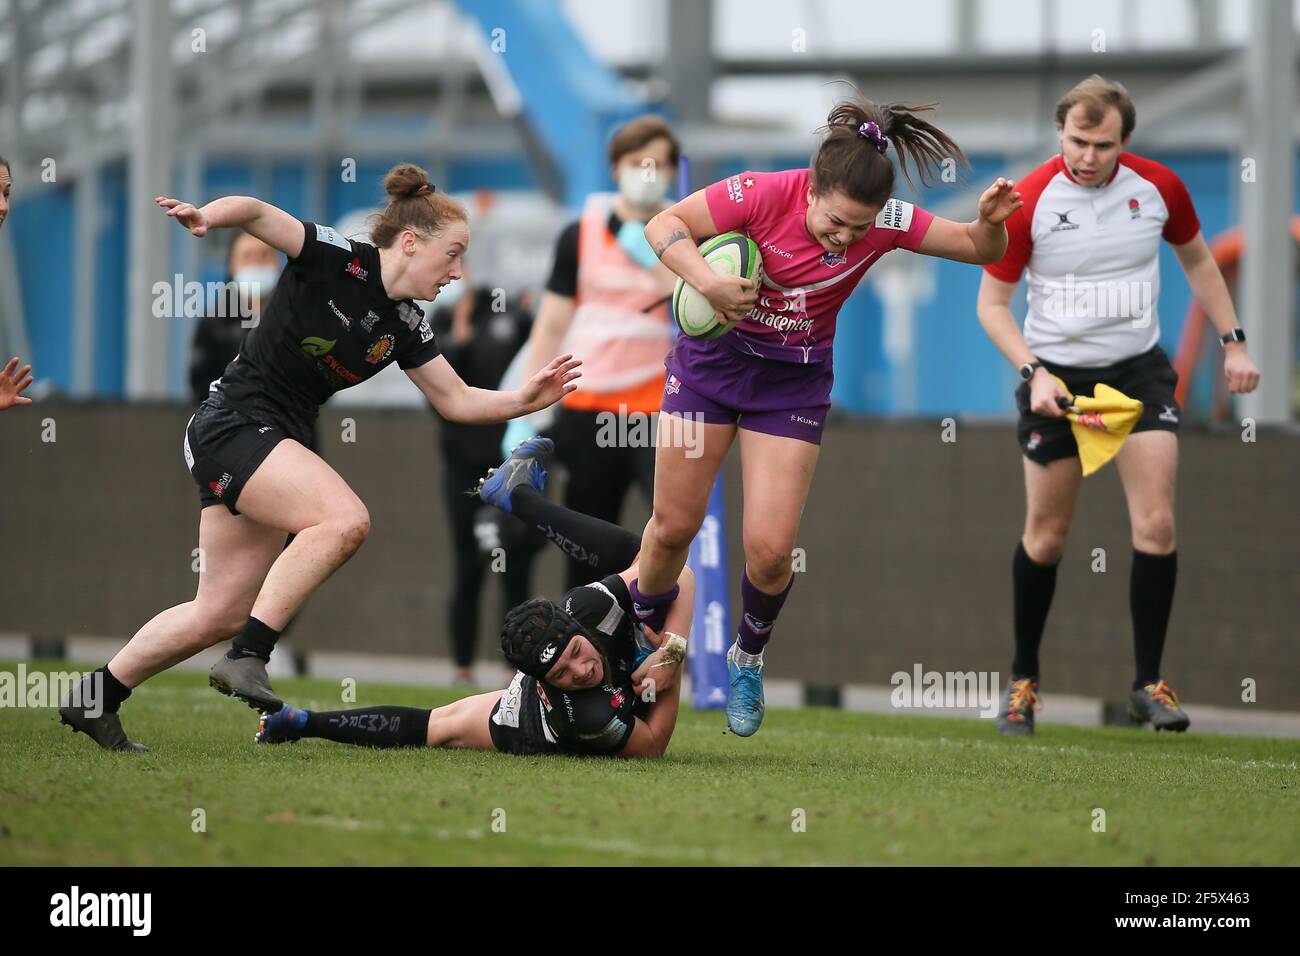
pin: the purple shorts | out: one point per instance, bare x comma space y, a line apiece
720, 385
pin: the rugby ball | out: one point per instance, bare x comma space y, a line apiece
731, 254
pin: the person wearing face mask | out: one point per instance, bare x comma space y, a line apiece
253, 268
341, 312
606, 301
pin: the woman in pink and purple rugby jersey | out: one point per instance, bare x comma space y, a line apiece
819, 230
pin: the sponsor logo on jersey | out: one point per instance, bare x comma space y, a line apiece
1134, 209
895, 214
735, 190
341, 370
426, 332
380, 349
672, 385
355, 270
833, 259
326, 234
316, 346
1063, 223
780, 252
1170, 414
368, 323
616, 699
264, 429
219, 487
345, 319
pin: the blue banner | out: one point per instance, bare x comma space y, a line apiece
711, 625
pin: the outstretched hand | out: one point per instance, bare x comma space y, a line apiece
12, 384
186, 214
551, 383
999, 201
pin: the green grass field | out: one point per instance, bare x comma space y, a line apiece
874, 790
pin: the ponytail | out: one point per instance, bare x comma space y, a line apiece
853, 156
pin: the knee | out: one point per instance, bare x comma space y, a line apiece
1045, 540
1153, 532
674, 530
351, 527
767, 563
214, 623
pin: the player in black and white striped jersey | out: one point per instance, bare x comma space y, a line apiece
590, 681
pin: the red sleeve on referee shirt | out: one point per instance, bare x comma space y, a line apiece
1182, 225
1020, 243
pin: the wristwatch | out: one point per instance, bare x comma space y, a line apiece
1236, 335
1027, 370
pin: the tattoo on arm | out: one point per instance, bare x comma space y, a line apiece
663, 246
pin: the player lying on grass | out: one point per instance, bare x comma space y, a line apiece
588, 681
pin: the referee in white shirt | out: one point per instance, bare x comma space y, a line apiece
1089, 235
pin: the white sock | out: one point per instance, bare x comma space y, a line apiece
742, 659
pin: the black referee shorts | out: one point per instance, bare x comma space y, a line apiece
516, 721
223, 447
1148, 377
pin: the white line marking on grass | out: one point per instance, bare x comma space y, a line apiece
448, 833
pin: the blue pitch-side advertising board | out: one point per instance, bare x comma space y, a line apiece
712, 621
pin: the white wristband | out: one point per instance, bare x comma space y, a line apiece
674, 647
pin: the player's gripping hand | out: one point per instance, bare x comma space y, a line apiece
1239, 370
732, 296
186, 214
1044, 390
657, 673
999, 201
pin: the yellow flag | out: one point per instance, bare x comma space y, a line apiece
1101, 423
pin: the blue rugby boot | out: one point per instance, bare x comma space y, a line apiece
745, 700
526, 465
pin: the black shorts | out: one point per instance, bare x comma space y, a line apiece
516, 723
1147, 377
223, 447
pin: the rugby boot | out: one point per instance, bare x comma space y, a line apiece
1158, 704
1019, 701
525, 466
745, 705
244, 678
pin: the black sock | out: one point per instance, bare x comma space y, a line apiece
99, 690
604, 547
1150, 598
1032, 587
371, 726
255, 640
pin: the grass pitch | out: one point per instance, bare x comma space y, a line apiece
868, 789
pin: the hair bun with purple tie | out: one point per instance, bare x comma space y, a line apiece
871, 130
